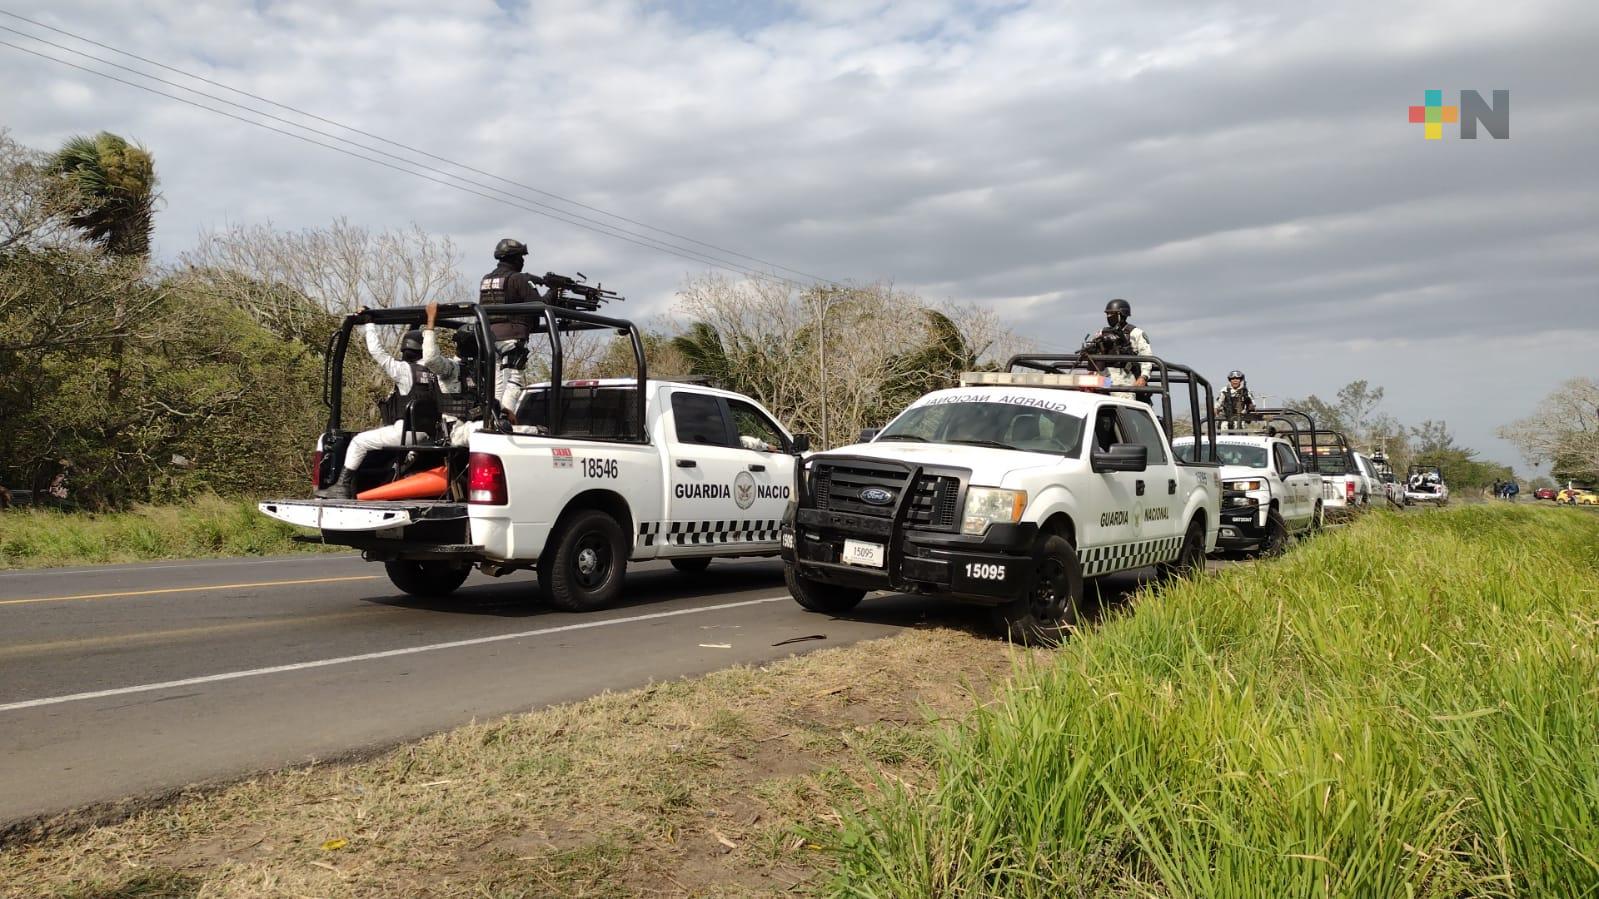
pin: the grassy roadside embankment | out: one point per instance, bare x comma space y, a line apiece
208, 526
1407, 708
1402, 707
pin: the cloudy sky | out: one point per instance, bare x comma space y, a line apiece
1244, 173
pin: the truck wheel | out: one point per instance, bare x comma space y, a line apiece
692, 566
426, 578
1318, 520
1276, 542
1054, 605
590, 561
819, 597
1190, 556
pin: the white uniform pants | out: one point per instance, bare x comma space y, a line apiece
377, 438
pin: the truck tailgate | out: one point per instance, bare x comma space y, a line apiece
354, 515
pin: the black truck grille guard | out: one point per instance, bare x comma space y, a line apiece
924, 499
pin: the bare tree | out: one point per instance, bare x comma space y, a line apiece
339, 268
1563, 430
35, 207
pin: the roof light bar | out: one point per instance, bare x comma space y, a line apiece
1084, 381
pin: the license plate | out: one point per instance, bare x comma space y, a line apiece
858, 553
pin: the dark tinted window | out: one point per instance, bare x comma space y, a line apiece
1287, 462
698, 420
1140, 428
606, 413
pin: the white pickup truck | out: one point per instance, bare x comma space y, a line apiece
1345, 489
593, 475
1007, 491
1268, 495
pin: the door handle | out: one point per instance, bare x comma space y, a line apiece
1171, 486
757, 468
1140, 488
686, 463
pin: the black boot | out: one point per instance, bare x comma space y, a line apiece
339, 489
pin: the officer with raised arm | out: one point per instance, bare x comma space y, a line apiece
412, 380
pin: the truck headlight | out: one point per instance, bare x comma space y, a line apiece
988, 505
1245, 486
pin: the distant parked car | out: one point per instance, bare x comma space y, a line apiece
1544, 493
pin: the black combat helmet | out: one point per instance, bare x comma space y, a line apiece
509, 247
411, 346
466, 342
1117, 311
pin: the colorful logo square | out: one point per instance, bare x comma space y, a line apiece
1432, 114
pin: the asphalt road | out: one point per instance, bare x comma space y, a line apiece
133, 680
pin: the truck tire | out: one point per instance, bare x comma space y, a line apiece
1190, 556
1276, 542
1054, 606
588, 566
692, 566
820, 597
432, 579
1318, 521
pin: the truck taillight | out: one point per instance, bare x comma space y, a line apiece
316, 470
1349, 490
485, 480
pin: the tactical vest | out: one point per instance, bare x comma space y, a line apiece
424, 383
491, 290
466, 405
1236, 402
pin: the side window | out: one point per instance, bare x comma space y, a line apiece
1287, 461
698, 419
755, 430
1106, 431
1139, 427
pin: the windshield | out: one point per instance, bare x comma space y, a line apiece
1240, 454
997, 424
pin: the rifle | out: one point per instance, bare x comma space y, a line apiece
584, 297
1108, 342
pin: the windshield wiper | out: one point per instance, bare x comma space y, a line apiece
902, 437
993, 443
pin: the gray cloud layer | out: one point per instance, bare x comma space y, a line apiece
1243, 172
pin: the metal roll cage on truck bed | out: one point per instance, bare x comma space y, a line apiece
581, 478
1007, 491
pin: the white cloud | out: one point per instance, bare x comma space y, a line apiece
1244, 171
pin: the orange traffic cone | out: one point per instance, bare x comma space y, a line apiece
422, 485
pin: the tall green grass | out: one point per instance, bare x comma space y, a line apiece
206, 526
1407, 707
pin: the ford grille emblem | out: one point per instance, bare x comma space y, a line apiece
876, 496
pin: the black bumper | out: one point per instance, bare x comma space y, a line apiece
1240, 528
995, 567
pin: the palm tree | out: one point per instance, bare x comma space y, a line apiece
702, 347
115, 183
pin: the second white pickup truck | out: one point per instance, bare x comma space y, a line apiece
1008, 492
1268, 495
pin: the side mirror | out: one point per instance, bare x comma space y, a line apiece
1120, 457
801, 444
869, 434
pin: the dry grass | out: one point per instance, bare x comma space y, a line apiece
704, 787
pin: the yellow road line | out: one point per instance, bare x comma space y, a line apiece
119, 641
315, 580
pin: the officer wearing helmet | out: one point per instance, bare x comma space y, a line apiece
412, 381
1235, 404
509, 284
463, 395
1117, 313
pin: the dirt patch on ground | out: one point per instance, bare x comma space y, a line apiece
714, 786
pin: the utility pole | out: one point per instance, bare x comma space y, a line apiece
824, 296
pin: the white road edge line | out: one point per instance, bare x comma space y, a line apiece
369, 656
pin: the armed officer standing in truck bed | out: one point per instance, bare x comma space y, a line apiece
1136, 374
509, 284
